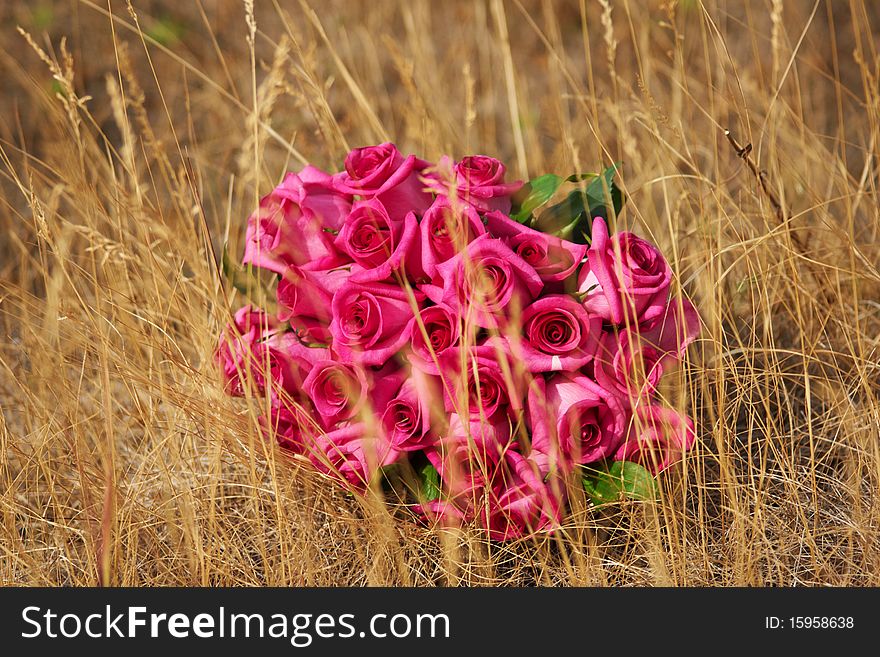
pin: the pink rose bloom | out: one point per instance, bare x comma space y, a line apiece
255, 350
292, 427
632, 362
635, 284
491, 387
380, 245
554, 259
441, 512
487, 281
296, 360
406, 420
445, 232
437, 342
468, 456
558, 335
382, 173
658, 437
285, 232
313, 190
478, 180
525, 503
371, 321
352, 454
629, 366
573, 421
304, 299
337, 390
674, 330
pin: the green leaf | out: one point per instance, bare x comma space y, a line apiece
600, 204
430, 482
618, 481
572, 218
538, 192
166, 31
564, 218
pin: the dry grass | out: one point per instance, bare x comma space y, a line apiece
122, 461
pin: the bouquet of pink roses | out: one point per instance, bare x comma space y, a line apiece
442, 332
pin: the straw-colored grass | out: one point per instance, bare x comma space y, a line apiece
135, 140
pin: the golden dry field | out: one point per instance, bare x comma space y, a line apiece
136, 138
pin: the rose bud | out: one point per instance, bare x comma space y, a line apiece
477, 180
467, 456
632, 362
255, 350
352, 454
337, 390
292, 426
491, 387
304, 299
406, 420
313, 190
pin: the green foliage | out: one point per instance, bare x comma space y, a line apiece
534, 194
430, 482
572, 218
166, 31
618, 481
42, 16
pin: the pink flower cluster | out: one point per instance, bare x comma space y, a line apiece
417, 323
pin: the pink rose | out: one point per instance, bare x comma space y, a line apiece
406, 420
631, 362
441, 512
352, 454
313, 190
467, 457
488, 281
658, 437
238, 342
525, 503
382, 173
558, 335
380, 245
254, 350
573, 421
304, 299
491, 387
371, 321
282, 232
478, 180
445, 232
433, 343
292, 426
337, 390
629, 366
554, 259
634, 283
672, 331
